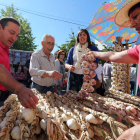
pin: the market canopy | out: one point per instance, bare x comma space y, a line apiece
103, 27
19, 56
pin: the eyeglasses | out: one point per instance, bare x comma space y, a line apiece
49, 43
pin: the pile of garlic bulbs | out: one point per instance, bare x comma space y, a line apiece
89, 73
120, 72
59, 118
120, 78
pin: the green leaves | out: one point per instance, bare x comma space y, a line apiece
68, 43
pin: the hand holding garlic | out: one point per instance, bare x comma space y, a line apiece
71, 68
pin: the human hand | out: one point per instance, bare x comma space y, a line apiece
55, 75
71, 68
27, 98
131, 134
90, 52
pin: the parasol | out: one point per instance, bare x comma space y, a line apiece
103, 27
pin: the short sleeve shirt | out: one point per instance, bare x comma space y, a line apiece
5, 60
134, 53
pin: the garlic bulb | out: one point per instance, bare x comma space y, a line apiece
2, 124
131, 109
16, 123
72, 124
28, 115
91, 133
84, 113
65, 117
92, 119
43, 124
8, 113
15, 133
53, 115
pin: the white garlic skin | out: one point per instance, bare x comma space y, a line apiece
15, 133
92, 119
28, 115
91, 133
66, 117
131, 109
2, 124
72, 124
43, 124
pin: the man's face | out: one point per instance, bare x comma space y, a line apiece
135, 19
9, 34
48, 45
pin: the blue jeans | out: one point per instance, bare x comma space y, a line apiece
42, 89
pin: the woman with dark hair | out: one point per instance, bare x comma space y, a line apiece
73, 62
60, 68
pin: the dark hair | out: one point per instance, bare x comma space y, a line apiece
88, 37
18, 63
58, 55
133, 8
4, 21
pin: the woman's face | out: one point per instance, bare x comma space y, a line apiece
62, 55
82, 38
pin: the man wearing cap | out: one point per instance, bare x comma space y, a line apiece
9, 32
127, 16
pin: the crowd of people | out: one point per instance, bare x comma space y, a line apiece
47, 71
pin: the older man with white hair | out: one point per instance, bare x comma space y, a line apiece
42, 66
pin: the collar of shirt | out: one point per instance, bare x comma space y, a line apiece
43, 54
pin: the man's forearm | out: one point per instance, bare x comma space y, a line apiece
104, 55
118, 57
7, 80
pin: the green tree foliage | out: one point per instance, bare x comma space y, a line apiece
25, 40
68, 43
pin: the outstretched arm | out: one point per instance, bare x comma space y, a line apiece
131, 134
118, 57
27, 98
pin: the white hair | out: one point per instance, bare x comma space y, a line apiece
47, 35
